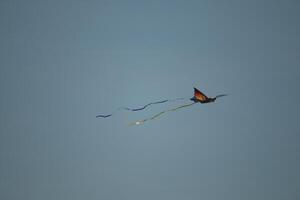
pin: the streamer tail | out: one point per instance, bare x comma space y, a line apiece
103, 116
141, 108
145, 106
161, 113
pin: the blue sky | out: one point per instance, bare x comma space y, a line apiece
64, 62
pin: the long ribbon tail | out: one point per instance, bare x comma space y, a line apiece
145, 106
152, 103
141, 108
103, 116
161, 113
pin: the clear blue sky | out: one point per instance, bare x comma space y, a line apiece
63, 62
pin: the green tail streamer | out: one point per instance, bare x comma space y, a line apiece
139, 122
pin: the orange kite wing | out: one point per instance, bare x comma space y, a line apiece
199, 95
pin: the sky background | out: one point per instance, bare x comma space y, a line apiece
63, 62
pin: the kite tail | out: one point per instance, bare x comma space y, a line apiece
141, 108
152, 103
161, 113
103, 116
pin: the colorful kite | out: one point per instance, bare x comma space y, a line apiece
198, 97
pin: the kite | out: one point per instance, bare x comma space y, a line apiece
198, 97
202, 98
